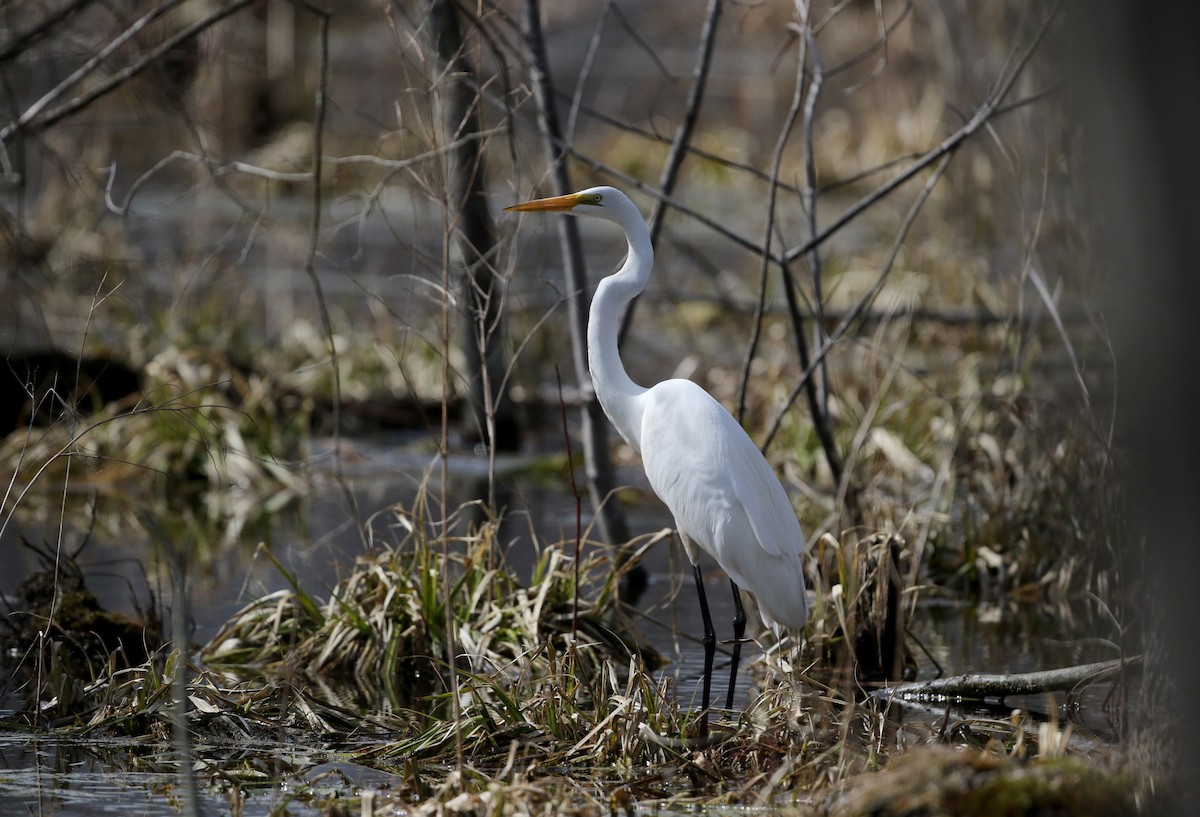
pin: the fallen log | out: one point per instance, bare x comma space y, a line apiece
977, 686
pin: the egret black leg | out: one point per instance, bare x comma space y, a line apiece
739, 630
710, 650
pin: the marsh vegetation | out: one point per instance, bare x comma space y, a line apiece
255, 267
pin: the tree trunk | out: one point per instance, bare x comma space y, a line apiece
1139, 70
481, 292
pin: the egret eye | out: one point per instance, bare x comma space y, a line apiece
596, 198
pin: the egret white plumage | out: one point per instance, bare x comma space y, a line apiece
724, 496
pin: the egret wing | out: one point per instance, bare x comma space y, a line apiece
711, 475
766, 503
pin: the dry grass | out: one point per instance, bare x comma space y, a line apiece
964, 448
548, 719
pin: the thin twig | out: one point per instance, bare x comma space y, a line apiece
863, 304
949, 145
765, 256
585, 71
816, 389
601, 480
636, 36
763, 176
633, 183
481, 284
562, 413
810, 206
314, 234
941, 154
443, 27
687, 124
683, 138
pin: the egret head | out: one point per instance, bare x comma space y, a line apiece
601, 202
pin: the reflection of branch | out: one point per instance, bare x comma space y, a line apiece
978, 686
33, 121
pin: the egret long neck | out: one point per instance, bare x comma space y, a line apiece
620, 397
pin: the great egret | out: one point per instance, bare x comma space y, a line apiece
724, 496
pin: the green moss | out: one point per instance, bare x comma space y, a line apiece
937, 781
1063, 786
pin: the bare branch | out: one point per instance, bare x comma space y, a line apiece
864, 303
27, 39
585, 71
89, 66
948, 146
601, 480
977, 686
37, 122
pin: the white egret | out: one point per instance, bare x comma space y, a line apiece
724, 495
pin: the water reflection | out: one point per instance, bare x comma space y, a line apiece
64, 776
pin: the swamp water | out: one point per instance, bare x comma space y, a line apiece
318, 539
